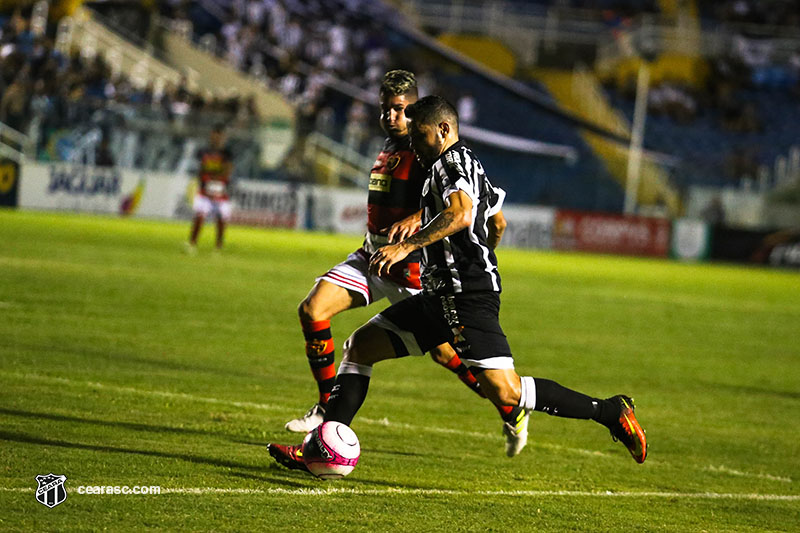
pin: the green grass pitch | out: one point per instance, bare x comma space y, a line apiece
125, 362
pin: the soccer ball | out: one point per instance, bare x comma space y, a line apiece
331, 450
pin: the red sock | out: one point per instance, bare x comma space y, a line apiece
457, 366
320, 354
505, 411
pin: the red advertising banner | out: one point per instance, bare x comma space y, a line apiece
613, 234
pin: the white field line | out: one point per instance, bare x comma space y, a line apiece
731, 471
379, 422
335, 491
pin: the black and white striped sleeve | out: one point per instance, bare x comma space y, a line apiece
496, 198
454, 174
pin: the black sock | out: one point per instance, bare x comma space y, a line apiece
607, 413
349, 392
556, 400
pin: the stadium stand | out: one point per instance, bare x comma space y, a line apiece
584, 183
325, 57
78, 106
723, 88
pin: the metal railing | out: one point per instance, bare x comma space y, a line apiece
135, 59
525, 28
14, 144
522, 27
344, 165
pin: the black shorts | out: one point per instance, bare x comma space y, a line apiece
470, 322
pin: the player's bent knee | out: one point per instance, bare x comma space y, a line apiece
442, 354
310, 310
304, 311
367, 345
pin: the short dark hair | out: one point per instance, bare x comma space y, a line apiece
397, 82
432, 110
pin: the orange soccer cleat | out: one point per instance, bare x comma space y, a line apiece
627, 429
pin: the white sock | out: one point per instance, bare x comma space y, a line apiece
346, 367
527, 393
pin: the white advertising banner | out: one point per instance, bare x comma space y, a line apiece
528, 226
340, 210
68, 187
268, 203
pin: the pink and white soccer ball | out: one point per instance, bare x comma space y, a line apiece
331, 451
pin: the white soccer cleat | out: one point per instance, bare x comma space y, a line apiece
308, 422
516, 435
189, 248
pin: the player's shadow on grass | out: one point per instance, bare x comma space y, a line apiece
196, 459
125, 425
285, 476
749, 390
266, 468
132, 359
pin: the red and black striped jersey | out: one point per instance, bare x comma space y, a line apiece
395, 186
214, 173
395, 189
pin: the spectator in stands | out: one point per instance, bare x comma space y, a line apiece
102, 155
15, 102
741, 165
673, 100
714, 212
355, 131
247, 112
742, 119
17, 35
290, 83
773, 12
294, 162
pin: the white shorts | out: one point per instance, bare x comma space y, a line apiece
353, 274
203, 205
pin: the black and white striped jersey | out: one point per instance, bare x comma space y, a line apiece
462, 262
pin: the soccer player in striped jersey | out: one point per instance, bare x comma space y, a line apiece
392, 215
460, 302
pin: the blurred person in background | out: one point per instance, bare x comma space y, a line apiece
212, 198
14, 104
103, 156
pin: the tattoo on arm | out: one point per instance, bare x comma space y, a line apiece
437, 229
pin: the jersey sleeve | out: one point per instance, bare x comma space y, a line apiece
454, 178
496, 198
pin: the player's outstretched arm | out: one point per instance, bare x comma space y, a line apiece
405, 228
496, 226
454, 218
